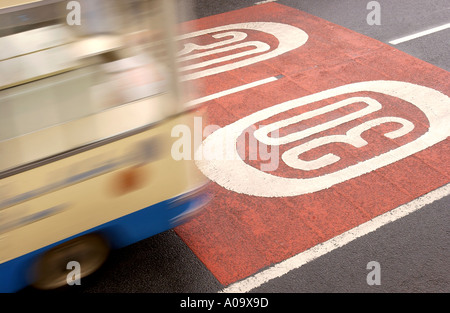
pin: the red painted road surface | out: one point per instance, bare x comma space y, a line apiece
239, 234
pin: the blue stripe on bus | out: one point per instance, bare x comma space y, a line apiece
18, 273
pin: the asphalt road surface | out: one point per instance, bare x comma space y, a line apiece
412, 252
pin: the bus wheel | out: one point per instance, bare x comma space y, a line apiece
90, 251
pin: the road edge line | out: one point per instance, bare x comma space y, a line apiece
284, 267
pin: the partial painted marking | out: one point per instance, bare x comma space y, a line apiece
420, 34
321, 249
289, 38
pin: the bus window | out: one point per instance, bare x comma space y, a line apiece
69, 76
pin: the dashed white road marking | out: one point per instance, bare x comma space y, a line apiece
339, 241
265, 1
420, 34
231, 91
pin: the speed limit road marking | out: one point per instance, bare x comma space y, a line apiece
232, 174
350, 130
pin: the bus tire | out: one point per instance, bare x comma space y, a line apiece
90, 251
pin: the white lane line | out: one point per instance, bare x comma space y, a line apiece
420, 34
307, 256
232, 90
265, 1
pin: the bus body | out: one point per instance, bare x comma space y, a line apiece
86, 114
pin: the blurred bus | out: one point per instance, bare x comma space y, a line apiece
89, 94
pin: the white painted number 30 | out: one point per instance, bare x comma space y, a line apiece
236, 175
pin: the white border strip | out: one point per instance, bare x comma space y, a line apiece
309, 255
420, 34
264, 1
231, 91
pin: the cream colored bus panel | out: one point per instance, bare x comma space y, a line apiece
89, 202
